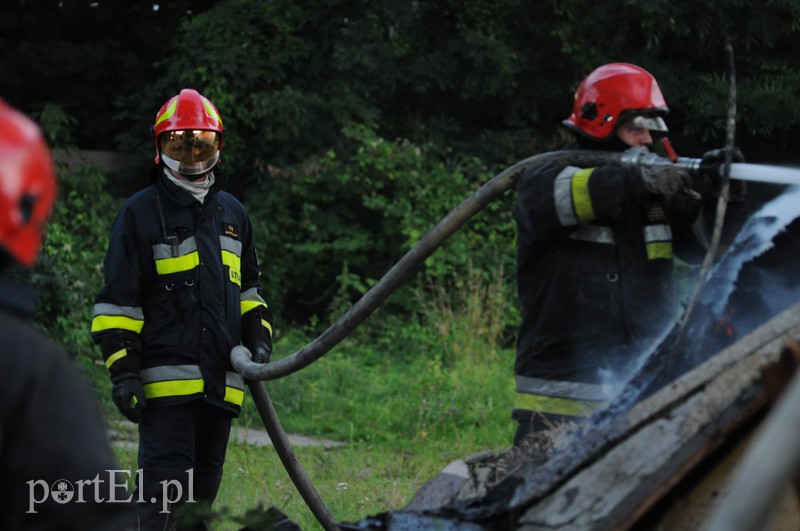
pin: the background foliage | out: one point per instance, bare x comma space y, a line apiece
353, 126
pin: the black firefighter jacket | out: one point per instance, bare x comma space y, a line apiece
594, 277
51, 432
181, 290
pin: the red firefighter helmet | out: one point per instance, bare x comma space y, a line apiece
612, 94
188, 133
27, 185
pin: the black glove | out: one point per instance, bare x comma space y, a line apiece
711, 168
128, 396
714, 159
261, 353
666, 180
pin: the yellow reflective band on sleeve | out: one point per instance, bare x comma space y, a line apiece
659, 250
168, 112
173, 388
115, 356
234, 264
268, 326
249, 305
165, 266
556, 406
233, 395
109, 322
580, 195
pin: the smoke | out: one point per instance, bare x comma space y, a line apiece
755, 238
622, 386
656, 364
782, 295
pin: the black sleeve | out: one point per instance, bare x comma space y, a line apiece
117, 317
256, 315
53, 438
553, 200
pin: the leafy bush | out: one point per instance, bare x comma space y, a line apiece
330, 228
69, 272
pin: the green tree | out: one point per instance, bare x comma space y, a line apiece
88, 58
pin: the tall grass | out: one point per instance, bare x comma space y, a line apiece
471, 315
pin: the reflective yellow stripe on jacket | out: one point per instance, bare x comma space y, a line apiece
558, 397
234, 388
183, 380
251, 299
176, 258
110, 316
172, 380
232, 257
571, 196
658, 240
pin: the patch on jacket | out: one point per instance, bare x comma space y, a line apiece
230, 230
656, 214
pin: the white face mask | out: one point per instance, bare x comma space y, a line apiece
198, 188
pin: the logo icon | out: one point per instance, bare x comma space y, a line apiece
62, 491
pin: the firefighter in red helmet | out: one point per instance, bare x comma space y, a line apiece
595, 252
52, 428
181, 290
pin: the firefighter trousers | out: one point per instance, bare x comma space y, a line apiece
181, 454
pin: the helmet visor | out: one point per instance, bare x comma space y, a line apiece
653, 123
193, 151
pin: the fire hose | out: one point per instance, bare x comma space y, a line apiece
416, 256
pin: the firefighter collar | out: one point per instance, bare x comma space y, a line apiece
16, 298
199, 189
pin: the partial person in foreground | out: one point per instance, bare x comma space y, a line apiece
52, 436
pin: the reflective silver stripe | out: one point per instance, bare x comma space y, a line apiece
103, 308
227, 243
657, 233
594, 233
252, 295
560, 389
163, 250
170, 372
234, 379
562, 194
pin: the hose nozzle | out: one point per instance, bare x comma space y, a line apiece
640, 156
